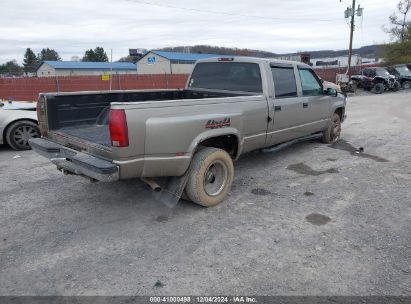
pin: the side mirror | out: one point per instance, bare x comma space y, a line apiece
331, 92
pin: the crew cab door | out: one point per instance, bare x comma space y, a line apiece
316, 105
287, 105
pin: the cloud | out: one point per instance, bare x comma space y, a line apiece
71, 27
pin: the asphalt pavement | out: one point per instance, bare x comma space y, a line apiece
312, 219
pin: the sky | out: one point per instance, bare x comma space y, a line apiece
71, 27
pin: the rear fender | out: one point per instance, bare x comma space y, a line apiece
216, 133
379, 79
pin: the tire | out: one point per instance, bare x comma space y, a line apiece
406, 85
397, 86
333, 132
210, 178
378, 88
19, 133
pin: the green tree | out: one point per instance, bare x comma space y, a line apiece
101, 54
400, 26
398, 52
30, 61
11, 67
89, 55
48, 54
96, 55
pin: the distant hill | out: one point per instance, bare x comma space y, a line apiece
208, 49
370, 51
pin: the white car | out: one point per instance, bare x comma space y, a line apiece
18, 123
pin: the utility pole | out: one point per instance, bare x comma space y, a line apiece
351, 36
350, 12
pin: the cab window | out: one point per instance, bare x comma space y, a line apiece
284, 82
310, 83
229, 76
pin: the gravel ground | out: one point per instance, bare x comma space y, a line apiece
310, 220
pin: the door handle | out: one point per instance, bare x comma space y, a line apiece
305, 105
277, 108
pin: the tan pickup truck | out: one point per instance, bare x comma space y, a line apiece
230, 106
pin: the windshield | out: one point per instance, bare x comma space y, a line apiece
403, 70
229, 76
382, 72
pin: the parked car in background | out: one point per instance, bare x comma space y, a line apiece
18, 123
402, 73
376, 79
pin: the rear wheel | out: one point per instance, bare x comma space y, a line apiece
397, 86
210, 178
406, 85
333, 132
378, 88
19, 133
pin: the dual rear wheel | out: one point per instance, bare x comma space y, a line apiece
210, 178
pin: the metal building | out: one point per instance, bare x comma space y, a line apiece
159, 62
82, 68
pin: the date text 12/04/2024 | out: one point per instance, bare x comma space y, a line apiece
203, 299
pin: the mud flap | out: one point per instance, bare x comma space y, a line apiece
171, 190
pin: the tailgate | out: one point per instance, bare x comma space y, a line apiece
70, 161
76, 121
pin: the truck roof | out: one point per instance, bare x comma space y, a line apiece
253, 60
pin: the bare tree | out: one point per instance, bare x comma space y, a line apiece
400, 24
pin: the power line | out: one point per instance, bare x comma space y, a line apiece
225, 13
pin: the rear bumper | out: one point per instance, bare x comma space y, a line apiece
73, 162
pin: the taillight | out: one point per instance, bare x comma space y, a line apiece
118, 128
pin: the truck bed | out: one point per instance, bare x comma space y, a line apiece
98, 134
84, 115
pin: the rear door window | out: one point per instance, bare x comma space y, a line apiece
284, 82
229, 76
310, 83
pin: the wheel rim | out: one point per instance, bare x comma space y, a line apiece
215, 178
407, 85
22, 135
379, 88
337, 128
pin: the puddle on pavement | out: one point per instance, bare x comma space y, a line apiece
158, 284
162, 219
317, 219
304, 169
332, 159
359, 152
260, 191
